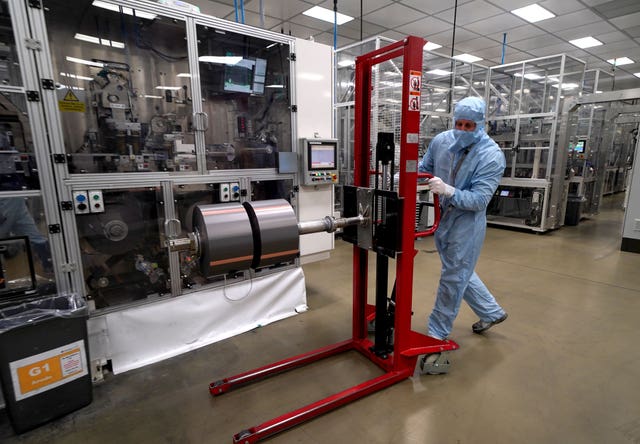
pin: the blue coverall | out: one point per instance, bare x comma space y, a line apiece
463, 223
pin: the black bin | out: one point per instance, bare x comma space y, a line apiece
44, 359
574, 210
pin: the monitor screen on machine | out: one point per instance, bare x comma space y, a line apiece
322, 157
246, 76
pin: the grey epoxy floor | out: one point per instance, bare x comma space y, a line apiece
564, 368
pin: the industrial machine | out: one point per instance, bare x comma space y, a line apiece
119, 122
377, 220
524, 101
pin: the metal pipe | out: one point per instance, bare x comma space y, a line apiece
329, 224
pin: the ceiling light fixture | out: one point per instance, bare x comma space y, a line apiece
533, 13
621, 61
128, 11
467, 58
225, 60
346, 62
439, 72
566, 85
430, 46
637, 74
529, 76
75, 76
169, 88
184, 74
98, 41
586, 42
327, 15
84, 62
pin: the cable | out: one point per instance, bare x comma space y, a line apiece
224, 290
335, 24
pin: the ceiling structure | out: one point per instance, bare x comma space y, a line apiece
480, 27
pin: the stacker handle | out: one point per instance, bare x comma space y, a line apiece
436, 206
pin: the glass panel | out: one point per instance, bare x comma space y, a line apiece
20, 216
9, 63
271, 189
346, 69
531, 163
17, 163
502, 84
245, 92
123, 88
344, 130
123, 255
470, 81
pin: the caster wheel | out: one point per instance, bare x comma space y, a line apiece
434, 364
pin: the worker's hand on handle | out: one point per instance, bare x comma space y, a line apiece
439, 187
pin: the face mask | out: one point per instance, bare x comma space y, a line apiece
465, 138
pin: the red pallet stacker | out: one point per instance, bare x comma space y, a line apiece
395, 348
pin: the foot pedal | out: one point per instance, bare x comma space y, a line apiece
435, 364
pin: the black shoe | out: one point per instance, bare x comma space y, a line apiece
482, 326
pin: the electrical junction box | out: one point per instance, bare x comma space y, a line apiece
224, 192
81, 202
96, 202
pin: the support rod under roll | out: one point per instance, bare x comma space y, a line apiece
329, 224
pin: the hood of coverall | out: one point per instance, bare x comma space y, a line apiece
469, 108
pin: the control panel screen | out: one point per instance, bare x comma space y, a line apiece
322, 157
320, 164
580, 146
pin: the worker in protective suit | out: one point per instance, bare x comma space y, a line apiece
467, 166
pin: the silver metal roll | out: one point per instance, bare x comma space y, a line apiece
226, 238
275, 230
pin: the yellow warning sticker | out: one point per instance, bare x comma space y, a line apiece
71, 103
70, 97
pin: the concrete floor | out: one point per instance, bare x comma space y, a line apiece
564, 368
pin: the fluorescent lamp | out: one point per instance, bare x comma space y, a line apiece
441, 110
75, 88
637, 74
84, 62
327, 15
147, 96
225, 60
586, 42
170, 88
98, 41
128, 11
439, 72
184, 74
459, 87
567, 85
75, 76
272, 45
621, 61
533, 13
530, 76
346, 62
430, 46
274, 86
467, 58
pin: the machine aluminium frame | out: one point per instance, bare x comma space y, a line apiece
399, 360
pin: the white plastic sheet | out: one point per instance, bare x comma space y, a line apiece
143, 335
